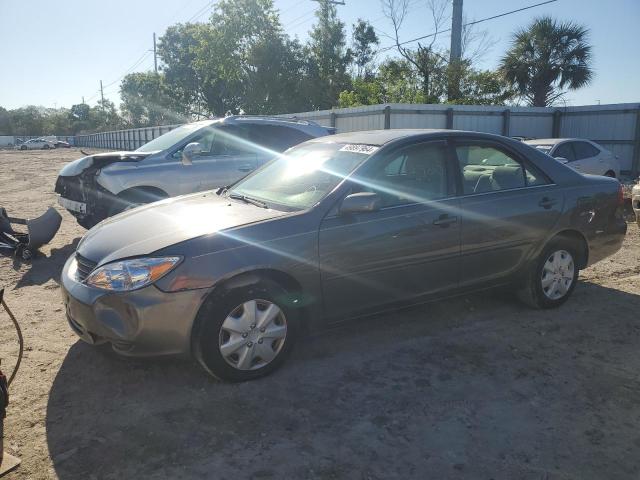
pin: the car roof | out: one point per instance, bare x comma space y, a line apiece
552, 141
382, 137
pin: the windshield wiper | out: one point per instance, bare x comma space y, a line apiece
244, 198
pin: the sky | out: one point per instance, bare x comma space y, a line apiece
54, 53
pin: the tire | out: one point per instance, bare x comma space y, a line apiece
542, 287
46, 147
610, 174
23, 147
227, 309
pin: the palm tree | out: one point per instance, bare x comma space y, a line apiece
546, 59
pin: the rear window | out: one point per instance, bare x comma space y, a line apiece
276, 137
584, 150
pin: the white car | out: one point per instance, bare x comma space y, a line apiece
582, 155
35, 144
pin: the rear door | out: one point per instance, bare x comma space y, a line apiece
408, 248
507, 206
588, 158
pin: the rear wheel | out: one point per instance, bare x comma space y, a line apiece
46, 146
553, 277
245, 333
23, 147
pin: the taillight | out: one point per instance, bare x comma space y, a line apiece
620, 196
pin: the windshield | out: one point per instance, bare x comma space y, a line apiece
169, 139
304, 175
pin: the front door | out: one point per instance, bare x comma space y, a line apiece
225, 157
408, 248
508, 206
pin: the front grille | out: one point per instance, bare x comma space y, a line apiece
85, 266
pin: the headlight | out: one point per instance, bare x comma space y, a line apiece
126, 275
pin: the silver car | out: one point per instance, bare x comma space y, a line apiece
580, 154
191, 158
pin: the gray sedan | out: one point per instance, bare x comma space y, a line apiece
337, 227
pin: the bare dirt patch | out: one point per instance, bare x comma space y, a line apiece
475, 387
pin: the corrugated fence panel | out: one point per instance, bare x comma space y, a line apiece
613, 126
418, 119
535, 126
478, 123
599, 125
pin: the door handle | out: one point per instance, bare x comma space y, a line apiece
547, 202
245, 168
445, 220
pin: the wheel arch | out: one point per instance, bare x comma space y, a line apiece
245, 279
579, 241
143, 189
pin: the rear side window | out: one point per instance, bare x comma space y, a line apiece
584, 150
276, 137
565, 151
488, 169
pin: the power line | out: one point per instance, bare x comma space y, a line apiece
466, 24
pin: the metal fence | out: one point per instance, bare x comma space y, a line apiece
616, 127
123, 139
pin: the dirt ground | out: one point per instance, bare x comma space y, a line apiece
477, 387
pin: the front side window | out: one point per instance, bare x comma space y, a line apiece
414, 174
170, 138
303, 175
221, 141
489, 169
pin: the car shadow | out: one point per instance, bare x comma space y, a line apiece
470, 387
41, 268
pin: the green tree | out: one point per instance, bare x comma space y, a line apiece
363, 43
546, 59
483, 87
329, 57
178, 49
146, 101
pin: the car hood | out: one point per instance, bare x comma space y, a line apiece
149, 228
100, 160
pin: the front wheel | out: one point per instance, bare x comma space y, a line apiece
246, 332
554, 276
23, 147
46, 147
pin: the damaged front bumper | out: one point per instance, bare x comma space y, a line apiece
144, 322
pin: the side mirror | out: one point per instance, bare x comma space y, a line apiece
190, 151
360, 203
561, 159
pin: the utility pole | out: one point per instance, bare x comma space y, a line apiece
155, 55
83, 99
456, 31
455, 56
102, 95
